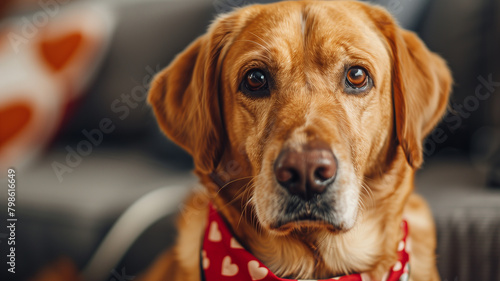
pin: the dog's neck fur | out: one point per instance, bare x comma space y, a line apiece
368, 247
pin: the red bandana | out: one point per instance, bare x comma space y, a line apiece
224, 259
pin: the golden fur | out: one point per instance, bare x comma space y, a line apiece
377, 137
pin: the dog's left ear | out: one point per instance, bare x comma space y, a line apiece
421, 83
185, 96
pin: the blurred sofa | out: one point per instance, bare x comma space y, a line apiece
71, 217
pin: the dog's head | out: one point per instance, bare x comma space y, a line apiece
308, 99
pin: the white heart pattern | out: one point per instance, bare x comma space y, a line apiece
397, 266
408, 245
234, 244
256, 272
401, 246
206, 261
214, 235
228, 268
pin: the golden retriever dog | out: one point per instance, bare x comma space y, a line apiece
306, 122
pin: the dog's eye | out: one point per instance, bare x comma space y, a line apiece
256, 80
255, 83
357, 80
357, 77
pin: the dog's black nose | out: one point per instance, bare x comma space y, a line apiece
308, 171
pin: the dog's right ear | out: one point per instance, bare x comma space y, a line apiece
184, 96
421, 86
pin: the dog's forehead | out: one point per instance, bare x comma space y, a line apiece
318, 30
289, 15
332, 20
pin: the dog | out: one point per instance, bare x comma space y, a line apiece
306, 123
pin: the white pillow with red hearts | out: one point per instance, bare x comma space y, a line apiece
47, 60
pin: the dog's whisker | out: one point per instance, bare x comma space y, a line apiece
257, 226
263, 41
361, 205
240, 193
245, 195
253, 218
264, 47
319, 244
231, 182
244, 211
369, 194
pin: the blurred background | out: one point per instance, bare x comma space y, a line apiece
74, 125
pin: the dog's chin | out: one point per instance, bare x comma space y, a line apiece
315, 215
305, 226
308, 224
